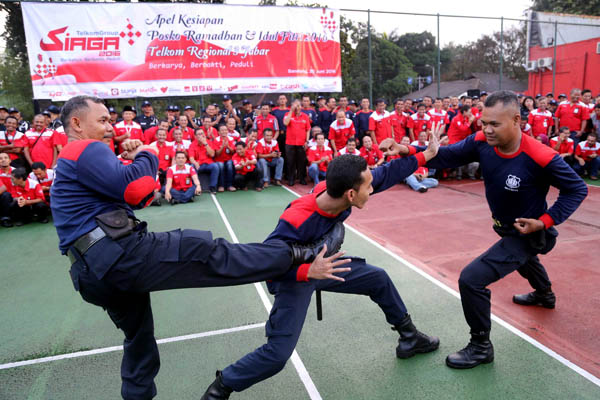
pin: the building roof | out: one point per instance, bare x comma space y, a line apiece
475, 81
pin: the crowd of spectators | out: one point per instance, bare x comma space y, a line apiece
274, 144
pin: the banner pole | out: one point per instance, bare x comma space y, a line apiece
554, 58
370, 61
501, 52
439, 73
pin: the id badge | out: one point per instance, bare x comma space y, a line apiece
545, 124
187, 181
575, 111
166, 156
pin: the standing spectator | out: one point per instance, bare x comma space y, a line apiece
3, 115
428, 101
182, 181
187, 133
251, 141
215, 116
344, 106
44, 176
563, 144
114, 116
244, 163
150, 133
372, 154
586, 99
9, 138
306, 109
340, 131
166, 155
352, 109
128, 128
594, 119
23, 125
438, 115
148, 119
228, 111
298, 130
55, 121
38, 143
224, 148
398, 120
361, 119
266, 121
279, 112
419, 122
420, 181
201, 157
5, 190
380, 124
269, 155
190, 113
350, 148
319, 157
541, 120
327, 116
247, 116
574, 115
28, 199
586, 155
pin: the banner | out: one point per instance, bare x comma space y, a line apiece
115, 50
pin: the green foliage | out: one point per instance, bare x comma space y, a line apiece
581, 7
16, 84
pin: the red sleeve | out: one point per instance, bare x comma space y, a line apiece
311, 155
547, 220
578, 150
530, 119
371, 124
170, 173
236, 159
585, 114
410, 123
352, 130
379, 153
570, 150
259, 148
558, 112
302, 273
39, 193
193, 171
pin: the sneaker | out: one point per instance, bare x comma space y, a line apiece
6, 222
277, 182
213, 190
422, 189
231, 189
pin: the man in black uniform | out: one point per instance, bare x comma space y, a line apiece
116, 262
147, 119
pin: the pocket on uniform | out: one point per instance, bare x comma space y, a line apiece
195, 245
102, 256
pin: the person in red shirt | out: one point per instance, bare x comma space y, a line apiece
372, 154
187, 133
460, 127
28, 199
251, 141
419, 122
244, 163
209, 131
266, 120
5, 190
269, 156
437, 114
297, 134
128, 128
38, 143
541, 120
201, 157
179, 143
182, 181
573, 114
8, 138
224, 148
231, 132
166, 155
350, 148
340, 131
319, 157
150, 133
399, 120
563, 144
60, 138
44, 176
380, 124
586, 155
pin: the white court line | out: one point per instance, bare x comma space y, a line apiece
119, 348
298, 364
587, 375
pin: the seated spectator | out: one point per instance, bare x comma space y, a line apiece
312, 142
372, 154
201, 157
586, 155
564, 145
28, 199
5, 190
420, 182
207, 127
44, 176
187, 133
350, 148
231, 132
525, 127
269, 155
340, 131
179, 143
594, 119
251, 140
157, 193
166, 155
150, 133
224, 148
182, 181
8, 140
319, 157
421, 140
245, 168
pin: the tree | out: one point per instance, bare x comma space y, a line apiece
582, 7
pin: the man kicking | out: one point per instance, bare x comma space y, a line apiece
349, 183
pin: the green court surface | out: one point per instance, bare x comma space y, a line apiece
348, 355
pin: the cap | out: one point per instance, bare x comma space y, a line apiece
475, 97
246, 101
553, 101
146, 103
420, 100
562, 95
549, 94
12, 110
46, 112
53, 109
188, 108
483, 93
312, 103
129, 108
175, 107
3, 108
537, 96
271, 103
226, 97
352, 102
111, 110
320, 98
519, 94
524, 114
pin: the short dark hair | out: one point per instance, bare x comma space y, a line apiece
180, 152
240, 143
319, 134
595, 107
380, 100
76, 104
428, 97
267, 129
464, 108
38, 165
351, 139
19, 173
506, 97
584, 91
564, 129
344, 173
11, 117
421, 105
594, 134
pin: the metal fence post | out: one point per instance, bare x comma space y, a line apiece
501, 52
370, 61
439, 74
554, 58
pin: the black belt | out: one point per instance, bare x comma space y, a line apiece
85, 242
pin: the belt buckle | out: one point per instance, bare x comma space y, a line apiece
497, 223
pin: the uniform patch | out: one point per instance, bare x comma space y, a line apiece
512, 183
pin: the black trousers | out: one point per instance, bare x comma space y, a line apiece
26, 213
241, 181
119, 275
5, 202
511, 253
296, 162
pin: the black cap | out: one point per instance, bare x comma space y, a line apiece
175, 107
320, 98
519, 94
111, 110
12, 110
146, 103
553, 101
271, 103
537, 96
129, 108
3, 108
312, 103
226, 97
420, 100
559, 96
524, 114
53, 109
475, 97
549, 94
46, 112
483, 93
246, 101
188, 108
352, 102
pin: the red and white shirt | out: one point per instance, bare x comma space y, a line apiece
437, 116
267, 148
186, 134
340, 133
345, 151
540, 121
584, 150
527, 130
210, 134
297, 129
60, 137
31, 191
237, 160
235, 135
199, 154
459, 129
43, 149
381, 124
166, 154
399, 122
317, 153
182, 177
566, 146
5, 178
372, 156
572, 115
184, 145
261, 123
133, 128
47, 181
227, 151
419, 124
6, 139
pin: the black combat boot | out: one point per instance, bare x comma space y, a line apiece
412, 341
544, 298
217, 390
303, 254
478, 351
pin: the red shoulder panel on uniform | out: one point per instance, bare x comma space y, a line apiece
480, 137
320, 188
299, 211
411, 150
73, 150
539, 152
138, 189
